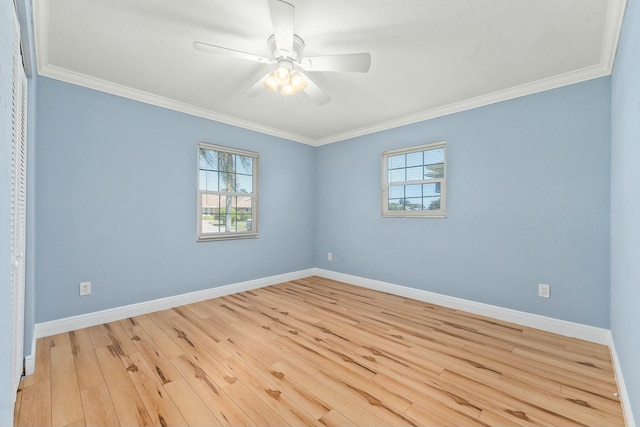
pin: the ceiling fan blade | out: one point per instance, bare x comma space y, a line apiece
206, 47
348, 62
282, 18
256, 88
315, 93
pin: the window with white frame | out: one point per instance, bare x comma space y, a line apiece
413, 181
227, 193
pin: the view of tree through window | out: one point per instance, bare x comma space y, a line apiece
227, 193
413, 181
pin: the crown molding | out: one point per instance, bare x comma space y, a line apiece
456, 107
613, 28
160, 101
615, 15
542, 85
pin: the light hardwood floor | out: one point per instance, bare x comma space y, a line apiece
317, 352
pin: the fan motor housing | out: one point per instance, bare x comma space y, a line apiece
296, 55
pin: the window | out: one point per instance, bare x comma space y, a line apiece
413, 181
227, 193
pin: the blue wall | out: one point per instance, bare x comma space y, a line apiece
116, 203
527, 203
625, 204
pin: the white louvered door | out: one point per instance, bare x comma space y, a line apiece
18, 203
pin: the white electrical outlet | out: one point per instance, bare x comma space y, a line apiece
329, 256
544, 291
85, 288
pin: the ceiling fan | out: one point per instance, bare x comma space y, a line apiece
286, 53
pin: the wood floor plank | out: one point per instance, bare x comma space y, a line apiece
609, 403
571, 367
429, 394
575, 409
188, 337
193, 409
43, 360
18, 402
99, 336
440, 416
160, 406
377, 400
221, 312
363, 337
268, 392
330, 397
59, 340
259, 413
207, 325
253, 339
523, 403
35, 408
98, 407
315, 351
87, 366
119, 337
494, 419
154, 355
66, 404
129, 407
221, 405
334, 418
302, 398
160, 338
283, 306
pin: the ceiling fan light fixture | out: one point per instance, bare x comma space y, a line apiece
286, 52
287, 82
270, 83
283, 72
297, 82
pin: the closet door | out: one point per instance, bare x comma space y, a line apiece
18, 203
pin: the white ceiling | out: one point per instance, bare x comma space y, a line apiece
428, 57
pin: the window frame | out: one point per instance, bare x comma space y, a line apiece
439, 213
208, 237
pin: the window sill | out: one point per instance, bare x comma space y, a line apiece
228, 237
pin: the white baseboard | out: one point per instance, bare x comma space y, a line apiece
622, 388
72, 323
30, 359
549, 324
561, 327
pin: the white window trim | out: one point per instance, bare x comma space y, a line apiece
440, 213
208, 237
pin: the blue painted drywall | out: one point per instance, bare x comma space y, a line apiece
527, 203
625, 204
116, 203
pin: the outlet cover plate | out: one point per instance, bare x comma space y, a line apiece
85, 288
544, 291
